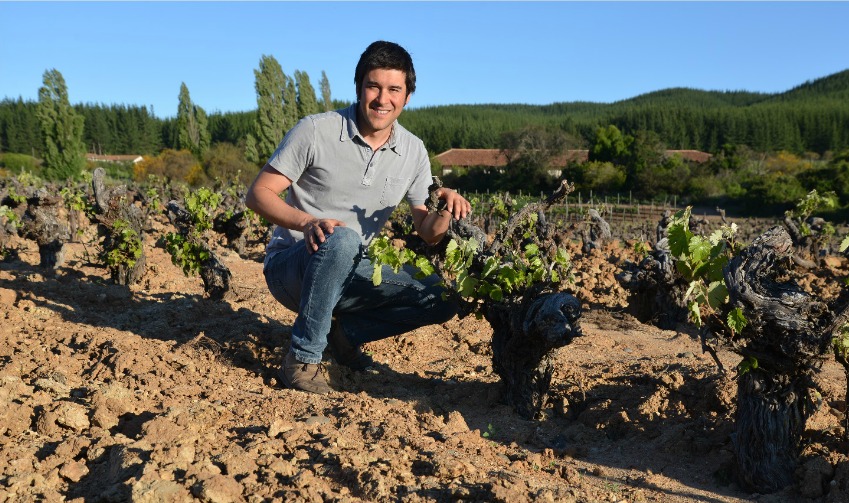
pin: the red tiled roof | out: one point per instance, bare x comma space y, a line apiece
472, 157
493, 157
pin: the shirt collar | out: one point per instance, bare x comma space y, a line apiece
351, 131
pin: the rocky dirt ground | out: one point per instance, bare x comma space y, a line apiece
154, 393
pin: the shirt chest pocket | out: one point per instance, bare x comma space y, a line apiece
393, 190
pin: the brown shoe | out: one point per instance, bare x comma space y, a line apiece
346, 353
309, 377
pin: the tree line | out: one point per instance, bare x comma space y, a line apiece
813, 117
769, 149
736, 177
132, 129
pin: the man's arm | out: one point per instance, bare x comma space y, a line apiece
433, 226
264, 198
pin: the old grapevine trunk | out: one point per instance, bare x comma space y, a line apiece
771, 416
215, 274
113, 206
657, 293
527, 324
523, 340
595, 233
46, 221
788, 333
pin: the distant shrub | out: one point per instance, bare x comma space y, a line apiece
832, 177
602, 176
16, 163
786, 163
703, 187
196, 177
170, 164
226, 162
769, 194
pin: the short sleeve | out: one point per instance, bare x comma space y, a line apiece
295, 153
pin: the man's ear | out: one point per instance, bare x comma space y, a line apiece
409, 95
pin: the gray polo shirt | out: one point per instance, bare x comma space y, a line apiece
335, 174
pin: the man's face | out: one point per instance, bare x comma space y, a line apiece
382, 95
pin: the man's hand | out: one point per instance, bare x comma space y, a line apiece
433, 224
455, 204
316, 231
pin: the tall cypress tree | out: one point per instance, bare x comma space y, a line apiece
186, 125
307, 102
62, 128
326, 102
290, 104
192, 125
204, 138
271, 123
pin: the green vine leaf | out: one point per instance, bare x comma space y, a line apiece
492, 279
717, 294
747, 365
736, 320
127, 247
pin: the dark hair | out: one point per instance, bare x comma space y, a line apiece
386, 55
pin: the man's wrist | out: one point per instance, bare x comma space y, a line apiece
307, 222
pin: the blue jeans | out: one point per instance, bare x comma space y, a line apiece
336, 281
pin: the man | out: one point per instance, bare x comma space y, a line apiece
345, 172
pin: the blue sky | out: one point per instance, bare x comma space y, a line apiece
138, 53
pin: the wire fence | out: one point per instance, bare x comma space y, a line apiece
613, 208
629, 218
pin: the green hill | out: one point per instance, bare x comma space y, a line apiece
811, 117
833, 87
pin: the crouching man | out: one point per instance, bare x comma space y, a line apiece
345, 172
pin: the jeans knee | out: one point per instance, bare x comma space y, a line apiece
343, 244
